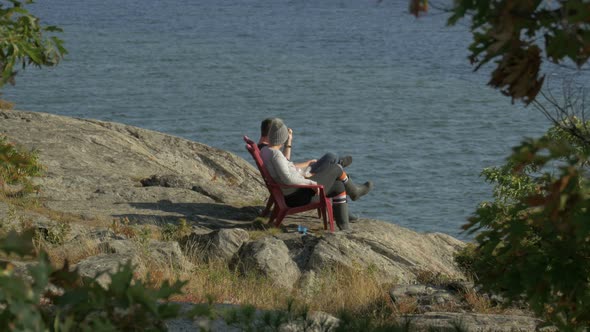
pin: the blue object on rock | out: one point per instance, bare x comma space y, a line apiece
302, 229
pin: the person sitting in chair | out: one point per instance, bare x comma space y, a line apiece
311, 166
332, 176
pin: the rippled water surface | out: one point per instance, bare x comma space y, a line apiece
349, 76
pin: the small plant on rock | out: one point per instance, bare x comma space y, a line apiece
17, 167
465, 258
172, 232
6, 105
428, 277
122, 227
58, 233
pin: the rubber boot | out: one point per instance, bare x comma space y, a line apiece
356, 191
341, 216
345, 161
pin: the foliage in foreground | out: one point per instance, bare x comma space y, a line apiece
23, 41
517, 35
17, 166
534, 238
296, 318
62, 300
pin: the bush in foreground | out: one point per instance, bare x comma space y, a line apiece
62, 300
533, 240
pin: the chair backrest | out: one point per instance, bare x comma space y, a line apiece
271, 184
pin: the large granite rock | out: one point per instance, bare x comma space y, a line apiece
269, 256
154, 253
220, 245
398, 254
103, 169
408, 251
100, 267
167, 254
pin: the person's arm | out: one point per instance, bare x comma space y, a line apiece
287, 148
287, 152
288, 175
305, 164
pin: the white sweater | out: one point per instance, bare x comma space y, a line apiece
282, 170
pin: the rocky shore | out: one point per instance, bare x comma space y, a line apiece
100, 172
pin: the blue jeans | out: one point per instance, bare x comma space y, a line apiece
328, 177
324, 162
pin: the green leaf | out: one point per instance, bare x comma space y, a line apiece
24, 42
534, 239
19, 244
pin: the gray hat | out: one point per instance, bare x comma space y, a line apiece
277, 133
265, 125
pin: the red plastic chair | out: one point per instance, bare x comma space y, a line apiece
277, 198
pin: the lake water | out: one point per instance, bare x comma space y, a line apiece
356, 77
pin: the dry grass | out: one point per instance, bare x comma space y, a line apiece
34, 204
6, 105
72, 253
406, 306
481, 304
122, 227
260, 228
26, 202
428, 277
354, 290
216, 281
340, 289
53, 239
84, 247
58, 216
259, 234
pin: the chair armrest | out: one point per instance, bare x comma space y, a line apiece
311, 186
322, 192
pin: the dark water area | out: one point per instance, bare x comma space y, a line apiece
363, 78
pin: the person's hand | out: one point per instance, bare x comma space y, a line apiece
290, 139
311, 162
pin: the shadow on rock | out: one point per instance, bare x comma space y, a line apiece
211, 215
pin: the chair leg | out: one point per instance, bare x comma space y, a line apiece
273, 215
280, 216
324, 217
267, 209
330, 217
